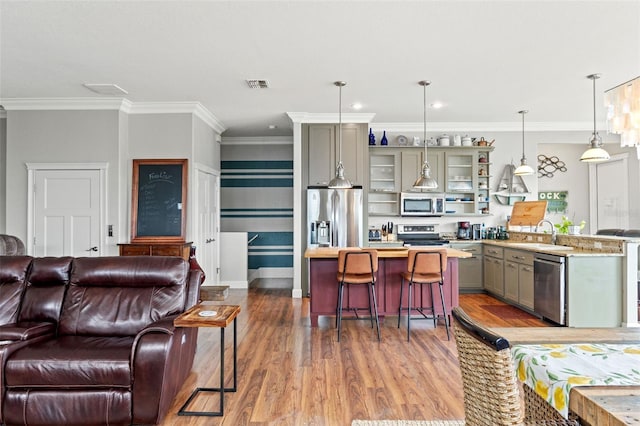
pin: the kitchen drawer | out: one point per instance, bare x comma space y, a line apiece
474, 248
493, 251
519, 256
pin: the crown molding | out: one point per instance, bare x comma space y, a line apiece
121, 104
307, 117
195, 108
468, 127
258, 140
60, 104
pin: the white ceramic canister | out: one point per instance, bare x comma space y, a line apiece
467, 141
443, 140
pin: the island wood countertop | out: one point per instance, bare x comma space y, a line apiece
395, 252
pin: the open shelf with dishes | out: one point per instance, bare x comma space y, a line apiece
463, 176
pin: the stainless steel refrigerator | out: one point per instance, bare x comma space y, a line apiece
334, 217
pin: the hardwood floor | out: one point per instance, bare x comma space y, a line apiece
290, 373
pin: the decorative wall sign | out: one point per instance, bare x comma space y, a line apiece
547, 166
556, 200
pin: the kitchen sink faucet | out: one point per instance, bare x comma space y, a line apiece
553, 229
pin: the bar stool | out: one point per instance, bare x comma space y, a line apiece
357, 267
424, 266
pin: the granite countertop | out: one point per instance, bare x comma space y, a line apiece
396, 252
549, 248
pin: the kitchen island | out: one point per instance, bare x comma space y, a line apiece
323, 285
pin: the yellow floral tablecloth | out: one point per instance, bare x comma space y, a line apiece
553, 369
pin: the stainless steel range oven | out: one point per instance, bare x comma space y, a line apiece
420, 235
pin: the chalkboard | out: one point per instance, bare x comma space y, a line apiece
159, 200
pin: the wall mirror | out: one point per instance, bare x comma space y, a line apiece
159, 200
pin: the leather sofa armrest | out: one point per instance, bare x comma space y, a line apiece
25, 330
154, 356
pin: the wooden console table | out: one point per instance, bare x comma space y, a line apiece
156, 249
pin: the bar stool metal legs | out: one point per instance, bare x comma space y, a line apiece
424, 267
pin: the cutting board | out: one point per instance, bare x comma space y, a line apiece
528, 213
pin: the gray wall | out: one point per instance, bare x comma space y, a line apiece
105, 136
3, 174
206, 147
58, 137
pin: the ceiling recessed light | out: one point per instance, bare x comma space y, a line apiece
356, 105
105, 88
437, 105
273, 126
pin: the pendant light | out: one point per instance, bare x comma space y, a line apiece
340, 182
595, 153
523, 169
425, 181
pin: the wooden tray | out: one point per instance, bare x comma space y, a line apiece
528, 213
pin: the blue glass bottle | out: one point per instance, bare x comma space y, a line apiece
372, 137
384, 140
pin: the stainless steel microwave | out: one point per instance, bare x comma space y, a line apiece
421, 204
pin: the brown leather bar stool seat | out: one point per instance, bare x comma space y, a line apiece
357, 267
424, 266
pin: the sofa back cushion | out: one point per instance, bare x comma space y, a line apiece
46, 284
13, 273
119, 296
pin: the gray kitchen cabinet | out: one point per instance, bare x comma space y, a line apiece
470, 269
320, 145
518, 277
493, 270
411, 160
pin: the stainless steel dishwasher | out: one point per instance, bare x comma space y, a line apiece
549, 287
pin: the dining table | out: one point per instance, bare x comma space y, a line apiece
611, 399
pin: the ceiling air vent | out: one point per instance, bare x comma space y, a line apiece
105, 89
258, 84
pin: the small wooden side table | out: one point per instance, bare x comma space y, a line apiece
212, 316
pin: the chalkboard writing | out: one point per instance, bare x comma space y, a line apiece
159, 199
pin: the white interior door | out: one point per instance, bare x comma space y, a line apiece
612, 194
208, 232
66, 219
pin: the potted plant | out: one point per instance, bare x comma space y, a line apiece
567, 226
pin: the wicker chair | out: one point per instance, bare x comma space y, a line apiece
491, 390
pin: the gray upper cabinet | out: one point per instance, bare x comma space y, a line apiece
322, 152
411, 160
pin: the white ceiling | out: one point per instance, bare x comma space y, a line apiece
486, 59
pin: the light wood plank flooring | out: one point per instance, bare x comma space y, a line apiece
292, 374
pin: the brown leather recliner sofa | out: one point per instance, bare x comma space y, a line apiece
91, 341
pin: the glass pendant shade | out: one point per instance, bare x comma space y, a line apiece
595, 153
523, 169
340, 182
425, 181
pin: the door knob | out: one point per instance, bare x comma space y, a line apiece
94, 248
210, 240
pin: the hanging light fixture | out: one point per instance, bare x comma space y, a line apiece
340, 182
623, 112
425, 181
523, 169
595, 153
